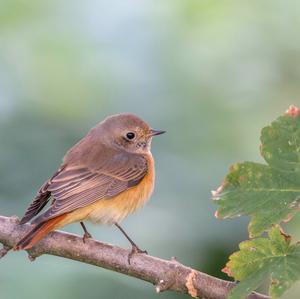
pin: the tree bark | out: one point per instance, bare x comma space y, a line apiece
164, 274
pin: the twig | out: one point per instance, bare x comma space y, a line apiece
164, 274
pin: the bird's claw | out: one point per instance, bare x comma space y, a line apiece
135, 250
86, 236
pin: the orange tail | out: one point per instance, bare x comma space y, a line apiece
38, 232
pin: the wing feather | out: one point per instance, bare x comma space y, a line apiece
78, 186
40, 201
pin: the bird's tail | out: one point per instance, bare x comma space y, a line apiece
38, 232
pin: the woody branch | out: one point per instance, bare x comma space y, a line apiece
164, 274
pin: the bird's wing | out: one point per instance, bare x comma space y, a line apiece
78, 186
41, 199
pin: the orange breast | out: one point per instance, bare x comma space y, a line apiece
115, 209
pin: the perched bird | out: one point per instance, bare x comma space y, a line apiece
104, 177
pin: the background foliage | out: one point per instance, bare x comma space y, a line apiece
212, 73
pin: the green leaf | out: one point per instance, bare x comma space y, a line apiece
280, 143
264, 193
269, 194
271, 258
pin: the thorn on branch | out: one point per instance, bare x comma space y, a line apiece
31, 257
33, 254
175, 260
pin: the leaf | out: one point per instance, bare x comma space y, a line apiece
269, 194
264, 193
271, 258
281, 143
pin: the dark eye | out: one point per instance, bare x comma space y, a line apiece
130, 135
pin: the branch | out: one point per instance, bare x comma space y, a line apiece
164, 274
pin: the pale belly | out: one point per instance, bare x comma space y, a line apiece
114, 210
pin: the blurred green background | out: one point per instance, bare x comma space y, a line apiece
211, 73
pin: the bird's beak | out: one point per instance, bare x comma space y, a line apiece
156, 132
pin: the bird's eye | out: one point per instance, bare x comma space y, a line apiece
130, 135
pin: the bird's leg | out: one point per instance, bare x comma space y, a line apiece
134, 249
86, 234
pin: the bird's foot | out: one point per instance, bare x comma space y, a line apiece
86, 236
135, 250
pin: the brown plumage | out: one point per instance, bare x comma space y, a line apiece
103, 178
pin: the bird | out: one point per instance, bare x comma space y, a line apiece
103, 178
